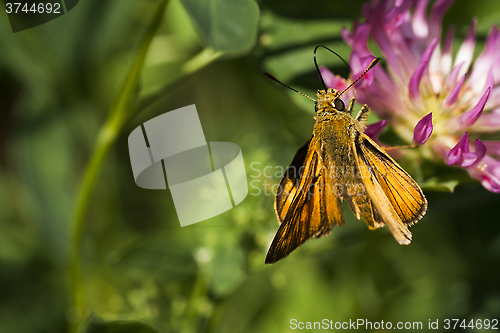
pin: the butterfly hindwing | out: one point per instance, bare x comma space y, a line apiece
362, 207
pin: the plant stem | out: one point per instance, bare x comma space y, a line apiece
121, 111
118, 114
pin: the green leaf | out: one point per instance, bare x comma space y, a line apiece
228, 26
434, 184
99, 326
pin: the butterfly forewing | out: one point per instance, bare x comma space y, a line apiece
304, 204
384, 181
402, 191
290, 183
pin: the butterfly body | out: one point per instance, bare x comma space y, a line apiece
341, 163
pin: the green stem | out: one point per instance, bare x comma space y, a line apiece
199, 289
119, 113
200, 60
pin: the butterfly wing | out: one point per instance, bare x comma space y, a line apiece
362, 207
396, 197
290, 182
305, 204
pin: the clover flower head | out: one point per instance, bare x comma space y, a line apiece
424, 89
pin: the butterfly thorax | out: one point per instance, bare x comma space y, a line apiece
334, 132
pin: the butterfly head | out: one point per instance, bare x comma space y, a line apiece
328, 100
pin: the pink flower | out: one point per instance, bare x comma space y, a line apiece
423, 77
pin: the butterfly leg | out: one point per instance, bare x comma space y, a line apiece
363, 114
350, 108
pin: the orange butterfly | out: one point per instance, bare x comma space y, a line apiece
338, 163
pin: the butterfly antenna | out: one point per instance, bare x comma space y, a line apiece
373, 63
316, 64
272, 77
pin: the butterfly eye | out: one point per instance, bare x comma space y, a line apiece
339, 105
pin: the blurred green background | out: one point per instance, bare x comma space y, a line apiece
142, 272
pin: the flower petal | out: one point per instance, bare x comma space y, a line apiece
382, 102
491, 53
490, 182
414, 86
426, 56
334, 81
488, 122
436, 76
384, 80
451, 79
419, 24
469, 118
460, 152
331, 80
468, 159
375, 16
446, 58
453, 157
374, 130
494, 100
461, 156
423, 130
438, 9
480, 149
358, 67
358, 40
453, 96
493, 147
466, 51
489, 83
476, 89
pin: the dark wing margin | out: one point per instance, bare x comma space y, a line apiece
305, 204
